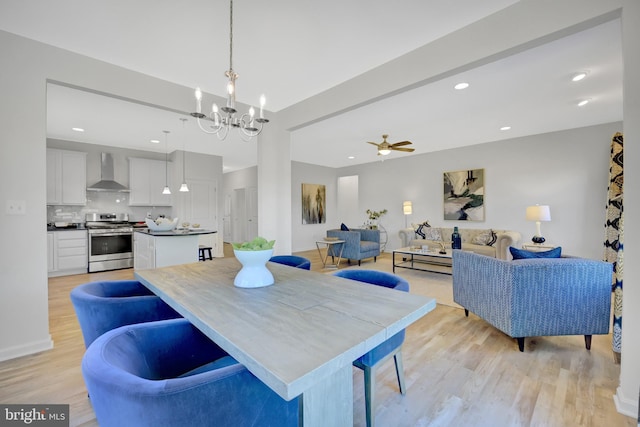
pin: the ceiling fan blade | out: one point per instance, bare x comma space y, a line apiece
408, 150
373, 143
397, 144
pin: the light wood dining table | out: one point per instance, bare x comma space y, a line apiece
299, 336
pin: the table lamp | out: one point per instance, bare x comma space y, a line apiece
407, 209
538, 213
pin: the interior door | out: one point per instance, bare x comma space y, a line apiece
239, 215
202, 208
226, 220
252, 212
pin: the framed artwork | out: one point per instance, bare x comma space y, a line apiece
314, 198
464, 195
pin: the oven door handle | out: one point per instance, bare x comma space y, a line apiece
110, 234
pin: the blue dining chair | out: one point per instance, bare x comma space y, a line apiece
392, 347
105, 305
292, 261
168, 373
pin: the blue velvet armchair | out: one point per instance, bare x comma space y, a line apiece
392, 347
359, 244
168, 373
106, 305
535, 297
292, 261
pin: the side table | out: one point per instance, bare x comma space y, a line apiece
535, 247
330, 244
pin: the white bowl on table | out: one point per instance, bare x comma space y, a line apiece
161, 224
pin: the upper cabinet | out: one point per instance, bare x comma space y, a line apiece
66, 177
146, 182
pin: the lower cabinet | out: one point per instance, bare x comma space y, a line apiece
67, 252
151, 251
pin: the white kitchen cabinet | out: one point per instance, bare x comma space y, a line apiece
68, 252
151, 251
51, 253
66, 177
147, 180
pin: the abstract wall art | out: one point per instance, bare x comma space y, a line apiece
464, 195
314, 197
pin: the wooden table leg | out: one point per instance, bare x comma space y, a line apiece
329, 402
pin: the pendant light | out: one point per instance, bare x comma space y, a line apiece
166, 189
183, 188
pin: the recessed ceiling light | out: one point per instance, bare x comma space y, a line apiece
461, 86
505, 128
155, 141
351, 157
78, 129
583, 103
579, 76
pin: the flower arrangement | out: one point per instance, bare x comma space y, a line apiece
373, 215
257, 244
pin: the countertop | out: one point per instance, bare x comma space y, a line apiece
50, 228
177, 232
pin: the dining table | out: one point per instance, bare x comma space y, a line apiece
299, 336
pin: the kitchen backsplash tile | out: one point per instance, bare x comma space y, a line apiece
104, 201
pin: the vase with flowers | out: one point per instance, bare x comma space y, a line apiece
253, 256
374, 218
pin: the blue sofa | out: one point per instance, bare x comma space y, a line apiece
535, 297
359, 244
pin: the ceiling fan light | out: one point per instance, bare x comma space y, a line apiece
579, 76
384, 151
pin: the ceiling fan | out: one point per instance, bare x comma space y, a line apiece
385, 148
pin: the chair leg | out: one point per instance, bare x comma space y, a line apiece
521, 343
369, 394
587, 341
375, 258
466, 312
359, 261
397, 358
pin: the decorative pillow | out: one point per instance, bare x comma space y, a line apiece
420, 228
433, 234
522, 254
482, 239
344, 227
494, 238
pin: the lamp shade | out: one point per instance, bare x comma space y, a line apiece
538, 213
407, 208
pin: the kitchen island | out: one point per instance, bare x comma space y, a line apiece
153, 249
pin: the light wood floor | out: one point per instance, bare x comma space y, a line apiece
459, 372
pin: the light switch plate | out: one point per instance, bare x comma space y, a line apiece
16, 207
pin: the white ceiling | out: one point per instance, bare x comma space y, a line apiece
291, 50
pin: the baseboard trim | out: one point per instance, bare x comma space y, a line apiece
26, 349
625, 405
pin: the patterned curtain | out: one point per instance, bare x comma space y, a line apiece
614, 236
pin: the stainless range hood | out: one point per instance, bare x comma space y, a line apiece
107, 182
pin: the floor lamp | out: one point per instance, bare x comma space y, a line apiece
407, 209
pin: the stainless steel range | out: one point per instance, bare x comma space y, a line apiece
110, 241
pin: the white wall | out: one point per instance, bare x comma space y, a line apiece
627, 394
567, 170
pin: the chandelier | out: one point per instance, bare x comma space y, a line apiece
219, 123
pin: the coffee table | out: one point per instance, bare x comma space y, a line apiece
423, 260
